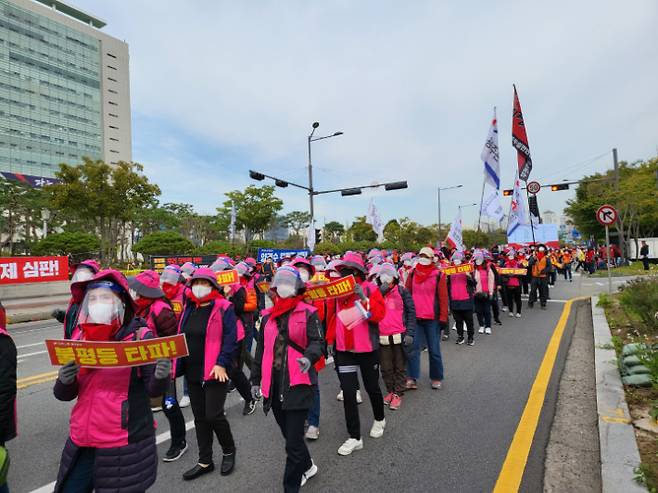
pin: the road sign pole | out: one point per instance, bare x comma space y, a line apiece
607, 243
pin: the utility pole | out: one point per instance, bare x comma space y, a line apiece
616, 164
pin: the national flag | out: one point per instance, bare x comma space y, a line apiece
490, 156
454, 237
518, 212
520, 140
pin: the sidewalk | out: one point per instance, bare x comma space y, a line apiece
31, 309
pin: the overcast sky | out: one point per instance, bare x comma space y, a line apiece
220, 87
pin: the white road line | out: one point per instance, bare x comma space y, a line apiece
600, 284
36, 353
30, 345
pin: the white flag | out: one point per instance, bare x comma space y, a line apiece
374, 219
233, 220
518, 211
454, 237
490, 156
491, 206
310, 237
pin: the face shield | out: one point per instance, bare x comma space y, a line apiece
82, 273
287, 282
220, 265
102, 304
169, 276
319, 263
387, 274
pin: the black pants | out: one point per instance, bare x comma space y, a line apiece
567, 272
174, 415
394, 367
503, 295
538, 285
298, 459
348, 365
464, 317
238, 377
645, 263
495, 309
483, 311
552, 277
525, 282
514, 298
207, 403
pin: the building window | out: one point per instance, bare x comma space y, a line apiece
113, 139
112, 103
112, 91
113, 151
115, 128
111, 55
113, 80
110, 66
112, 114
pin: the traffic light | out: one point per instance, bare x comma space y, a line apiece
534, 207
318, 235
281, 183
559, 186
254, 175
398, 185
507, 192
350, 191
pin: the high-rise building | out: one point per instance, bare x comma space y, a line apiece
64, 90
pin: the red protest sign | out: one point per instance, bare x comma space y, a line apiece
319, 277
263, 287
227, 277
93, 354
335, 289
16, 270
457, 269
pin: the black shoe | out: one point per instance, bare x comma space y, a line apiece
530, 305
197, 471
249, 408
543, 307
231, 386
175, 452
460, 340
470, 342
228, 463
498, 322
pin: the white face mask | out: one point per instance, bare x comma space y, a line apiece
101, 313
303, 273
82, 274
479, 262
457, 262
201, 290
386, 279
285, 291
407, 263
424, 261
511, 257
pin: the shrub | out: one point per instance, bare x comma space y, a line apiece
164, 243
640, 297
67, 243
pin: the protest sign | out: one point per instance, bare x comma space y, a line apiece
335, 289
227, 277
125, 354
15, 270
158, 263
319, 277
263, 287
457, 269
278, 254
510, 271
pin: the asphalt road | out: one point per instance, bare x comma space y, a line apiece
455, 439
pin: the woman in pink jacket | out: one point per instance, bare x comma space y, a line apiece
485, 288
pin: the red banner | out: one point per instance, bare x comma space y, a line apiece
16, 270
457, 269
511, 271
319, 277
520, 140
335, 289
92, 354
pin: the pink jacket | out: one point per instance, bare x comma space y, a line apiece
177, 300
365, 339
485, 279
297, 334
393, 322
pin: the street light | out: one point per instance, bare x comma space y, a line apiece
311, 192
438, 189
464, 206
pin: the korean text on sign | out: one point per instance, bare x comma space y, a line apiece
335, 289
15, 270
457, 269
511, 271
227, 277
92, 354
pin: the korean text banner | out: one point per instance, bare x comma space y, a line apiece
92, 354
227, 277
511, 271
278, 254
159, 263
457, 269
15, 270
335, 289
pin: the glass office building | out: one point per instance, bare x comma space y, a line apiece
64, 90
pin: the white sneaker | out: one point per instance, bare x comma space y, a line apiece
377, 430
518, 315
504, 309
454, 327
313, 433
481, 330
312, 471
487, 330
350, 445
339, 397
359, 399
511, 314
184, 402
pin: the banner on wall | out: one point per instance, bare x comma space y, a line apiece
16, 270
93, 354
158, 263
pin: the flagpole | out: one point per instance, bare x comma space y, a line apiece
481, 200
532, 226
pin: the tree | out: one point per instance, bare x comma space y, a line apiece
256, 209
333, 231
68, 243
361, 231
164, 243
297, 221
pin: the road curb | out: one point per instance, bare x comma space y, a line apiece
29, 317
619, 453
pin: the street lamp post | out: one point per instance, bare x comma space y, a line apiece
438, 189
311, 191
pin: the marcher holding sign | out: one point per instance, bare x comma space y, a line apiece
512, 282
461, 288
105, 440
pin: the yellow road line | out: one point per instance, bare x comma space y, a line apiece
511, 474
23, 383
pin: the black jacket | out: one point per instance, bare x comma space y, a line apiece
7, 389
299, 396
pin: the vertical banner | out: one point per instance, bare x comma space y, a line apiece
454, 238
520, 140
16, 270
